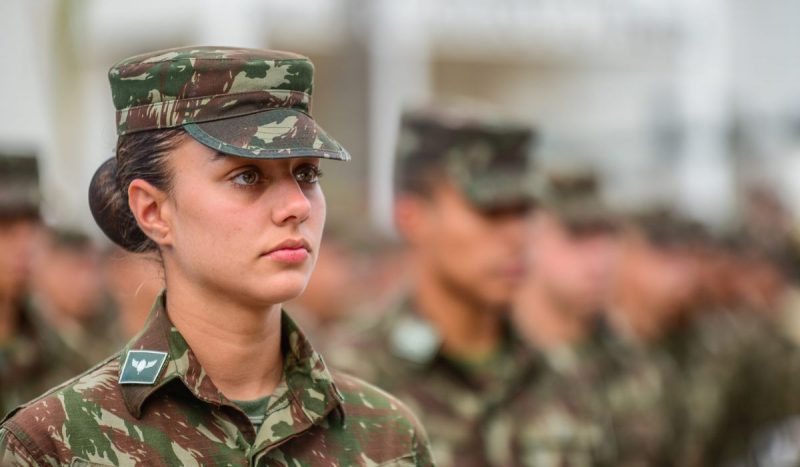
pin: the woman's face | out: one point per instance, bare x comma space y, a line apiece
247, 228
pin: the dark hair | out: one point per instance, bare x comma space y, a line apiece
139, 155
418, 175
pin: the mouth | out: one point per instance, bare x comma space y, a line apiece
292, 251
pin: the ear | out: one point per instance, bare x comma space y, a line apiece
410, 217
152, 211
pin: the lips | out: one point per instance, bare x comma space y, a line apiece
290, 251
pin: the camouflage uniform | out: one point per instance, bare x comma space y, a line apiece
599, 402
314, 417
739, 377
455, 401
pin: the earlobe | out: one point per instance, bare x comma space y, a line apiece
151, 210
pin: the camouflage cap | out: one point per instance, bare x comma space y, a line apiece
244, 102
488, 159
19, 185
575, 197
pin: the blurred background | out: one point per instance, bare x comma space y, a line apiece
690, 102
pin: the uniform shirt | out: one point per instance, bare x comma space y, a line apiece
598, 402
173, 414
400, 352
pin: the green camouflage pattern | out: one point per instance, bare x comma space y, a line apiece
39, 357
400, 353
488, 159
19, 184
595, 403
738, 376
314, 417
575, 197
243, 102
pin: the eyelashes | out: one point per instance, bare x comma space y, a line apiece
250, 177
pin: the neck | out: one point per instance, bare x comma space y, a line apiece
548, 324
239, 347
468, 329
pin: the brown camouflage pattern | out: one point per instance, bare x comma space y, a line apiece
314, 418
244, 102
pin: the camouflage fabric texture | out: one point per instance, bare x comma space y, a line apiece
243, 102
488, 159
594, 403
738, 376
314, 417
38, 358
456, 402
19, 185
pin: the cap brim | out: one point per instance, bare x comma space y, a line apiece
273, 134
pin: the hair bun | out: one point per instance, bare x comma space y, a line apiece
109, 206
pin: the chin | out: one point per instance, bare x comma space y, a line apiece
280, 289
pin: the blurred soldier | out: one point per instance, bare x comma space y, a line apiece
606, 398
726, 369
72, 312
19, 225
462, 199
742, 361
574, 254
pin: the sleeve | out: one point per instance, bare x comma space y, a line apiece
12, 452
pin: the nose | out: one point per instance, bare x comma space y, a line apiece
292, 205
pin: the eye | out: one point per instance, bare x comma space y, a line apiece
307, 173
247, 178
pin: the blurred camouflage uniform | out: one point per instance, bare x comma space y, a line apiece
728, 372
39, 356
455, 400
168, 412
401, 352
21, 356
598, 401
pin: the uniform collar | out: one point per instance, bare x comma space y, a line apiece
414, 339
310, 385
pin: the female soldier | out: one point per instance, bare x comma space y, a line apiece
216, 168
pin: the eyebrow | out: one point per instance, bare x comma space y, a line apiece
218, 156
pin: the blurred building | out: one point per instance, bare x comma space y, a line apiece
682, 100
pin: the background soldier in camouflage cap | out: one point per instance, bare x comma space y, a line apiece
598, 402
219, 375
462, 197
20, 356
